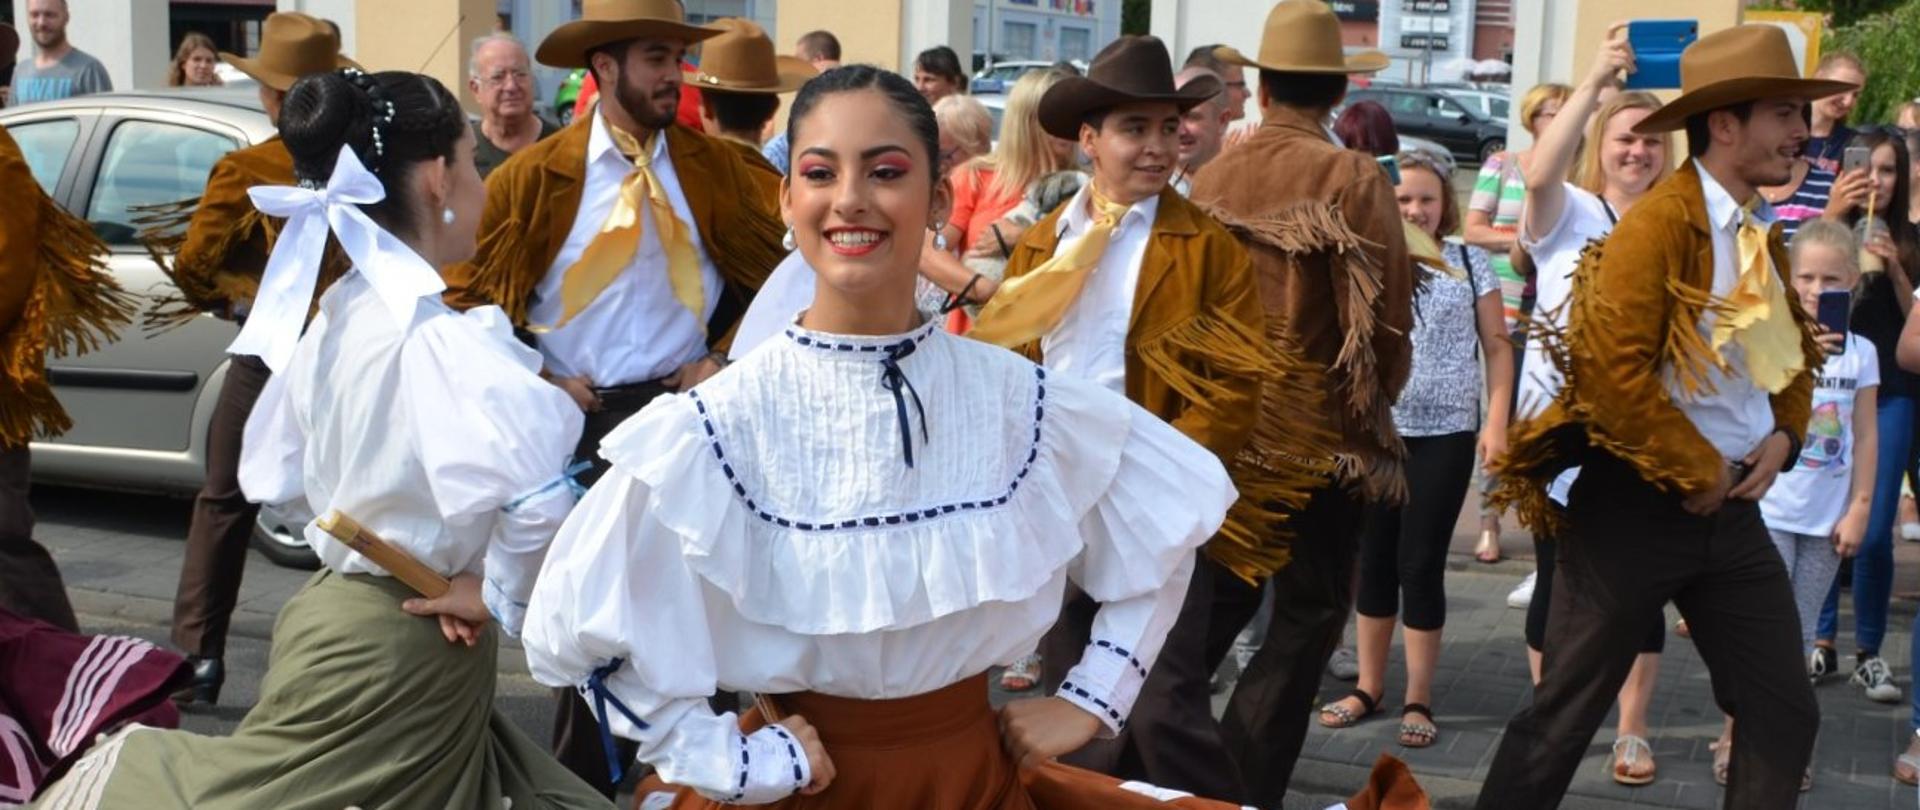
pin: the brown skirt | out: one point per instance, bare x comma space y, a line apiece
937, 751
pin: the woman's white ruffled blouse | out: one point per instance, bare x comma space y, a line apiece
766, 533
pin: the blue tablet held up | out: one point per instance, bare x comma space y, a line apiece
1657, 45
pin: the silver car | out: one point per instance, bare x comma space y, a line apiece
140, 406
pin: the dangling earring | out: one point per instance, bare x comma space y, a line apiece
789, 242
939, 240
446, 216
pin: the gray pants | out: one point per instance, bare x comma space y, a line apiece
1811, 565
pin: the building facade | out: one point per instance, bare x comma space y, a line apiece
1043, 30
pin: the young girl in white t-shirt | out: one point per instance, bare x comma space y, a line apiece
1817, 511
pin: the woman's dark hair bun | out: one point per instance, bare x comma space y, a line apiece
392, 120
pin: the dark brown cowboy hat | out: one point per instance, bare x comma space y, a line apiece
742, 61
604, 22
292, 46
1133, 69
1740, 64
1303, 36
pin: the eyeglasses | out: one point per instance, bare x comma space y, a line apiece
500, 78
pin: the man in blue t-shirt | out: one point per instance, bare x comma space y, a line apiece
57, 70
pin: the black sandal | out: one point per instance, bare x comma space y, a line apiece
1344, 717
1418, 735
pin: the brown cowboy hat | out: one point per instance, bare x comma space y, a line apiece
1131, 69
604, 22
292, 46
741, 60
1303, 36
1740, 64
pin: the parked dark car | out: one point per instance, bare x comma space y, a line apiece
1436, 115
140, 406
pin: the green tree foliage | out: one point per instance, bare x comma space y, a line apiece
1887, 42
1844, 13
1135, 16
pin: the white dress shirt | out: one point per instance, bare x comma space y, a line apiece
764, 532
1736, 415
636, 330
442, 439
1091, 341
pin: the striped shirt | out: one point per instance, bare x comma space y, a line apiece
1501, 192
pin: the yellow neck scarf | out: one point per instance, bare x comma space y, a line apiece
1755, 313
1027, 308
619, 239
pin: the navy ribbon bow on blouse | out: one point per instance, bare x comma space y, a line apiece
597, 686
893, 379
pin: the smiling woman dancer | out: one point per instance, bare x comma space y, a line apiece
860, 517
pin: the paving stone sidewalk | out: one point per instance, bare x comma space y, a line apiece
120, 555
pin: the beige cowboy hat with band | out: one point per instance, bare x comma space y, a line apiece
292, 46
1133, 69
1740, 64
742, 60
1303, 36
604, 22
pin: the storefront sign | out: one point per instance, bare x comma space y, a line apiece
1356, 10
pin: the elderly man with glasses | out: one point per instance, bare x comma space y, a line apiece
501, 77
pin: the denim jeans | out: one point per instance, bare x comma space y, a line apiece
1873, 566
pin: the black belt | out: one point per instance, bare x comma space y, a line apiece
630, 397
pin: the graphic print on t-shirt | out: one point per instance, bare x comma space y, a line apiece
1826, 444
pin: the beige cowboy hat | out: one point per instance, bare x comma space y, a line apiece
1303, 36
604, 22
1740, 64
1131, 69
742, 60
292, 46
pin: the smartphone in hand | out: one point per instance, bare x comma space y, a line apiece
1855, 157
1657, 45
1836, 308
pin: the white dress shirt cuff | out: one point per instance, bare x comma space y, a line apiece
1105, 683
770, 765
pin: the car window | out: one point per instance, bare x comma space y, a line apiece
46, 145
1500, 106
150, 163
1448, 108
1405, 104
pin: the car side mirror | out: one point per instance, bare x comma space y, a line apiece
1464, 118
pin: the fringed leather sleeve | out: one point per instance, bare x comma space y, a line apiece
57, 296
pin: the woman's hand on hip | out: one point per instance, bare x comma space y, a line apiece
462, 612
818, 763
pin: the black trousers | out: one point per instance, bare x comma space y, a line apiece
216, 553
30, 584
1545, 549
1403, 550
1171, 738
1630, 549
1266, 719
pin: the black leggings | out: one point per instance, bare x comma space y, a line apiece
1544, 549
1403, 552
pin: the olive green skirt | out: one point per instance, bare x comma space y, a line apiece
362, 706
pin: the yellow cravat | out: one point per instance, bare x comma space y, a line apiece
1755, 315
608, 255
1028, 307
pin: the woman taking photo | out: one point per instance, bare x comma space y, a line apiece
432, 429
1614, 169
860, 517
194, 63
1403, 552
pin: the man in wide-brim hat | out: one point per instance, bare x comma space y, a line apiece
626, 245
216, 262
740, 80
1324, 233
1690, 375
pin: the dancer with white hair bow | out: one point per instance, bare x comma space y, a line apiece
430, 428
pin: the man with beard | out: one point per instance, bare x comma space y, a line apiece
57, 70
1689, 382
604, 245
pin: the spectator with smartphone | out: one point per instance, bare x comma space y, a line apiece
1885, 296
1817, 512
1574, 196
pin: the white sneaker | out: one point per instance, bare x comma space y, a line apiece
1873, 676
1522, 594
1910, 531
